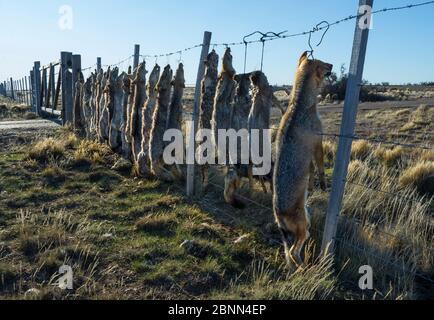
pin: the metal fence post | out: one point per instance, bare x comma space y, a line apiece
191, 136
348, 125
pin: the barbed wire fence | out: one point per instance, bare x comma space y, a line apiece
29, 91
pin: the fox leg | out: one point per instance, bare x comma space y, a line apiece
264, 187
301, 234
319, 160
232, 183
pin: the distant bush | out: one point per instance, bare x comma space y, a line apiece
336, 86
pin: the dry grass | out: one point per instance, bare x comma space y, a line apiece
389, 157
329, 148
414, 175
420, 118
315, 282
91, 152
394, 232
47, 149
361, 149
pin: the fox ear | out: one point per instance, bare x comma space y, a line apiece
303, 57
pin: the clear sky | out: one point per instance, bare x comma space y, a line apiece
400, 47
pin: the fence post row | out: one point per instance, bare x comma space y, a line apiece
191, 136
65, 65
347, 129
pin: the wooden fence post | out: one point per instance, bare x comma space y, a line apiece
65, 65
76, 69
136, 56
12, 89
18, 89
32, 91
43, 87
37, 87
26, 88
348, 124
191, 136
58, 87
21, 91
98, 64
52, 88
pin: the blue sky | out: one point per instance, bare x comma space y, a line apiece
400, 48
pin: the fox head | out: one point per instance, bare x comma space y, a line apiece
212, 60
140, 73
179, 80
153, 77
227, 63
310, 77
315, 69
165, 79
259, 79
243, 84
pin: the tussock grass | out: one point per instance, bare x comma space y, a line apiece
47, 150
361, 149
414, 175
420, 118
389, 157
91, 152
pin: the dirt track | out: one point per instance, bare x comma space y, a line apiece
27, 124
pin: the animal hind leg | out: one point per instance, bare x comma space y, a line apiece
301, 234
286, 236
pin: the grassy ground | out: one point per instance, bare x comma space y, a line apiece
128, 238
